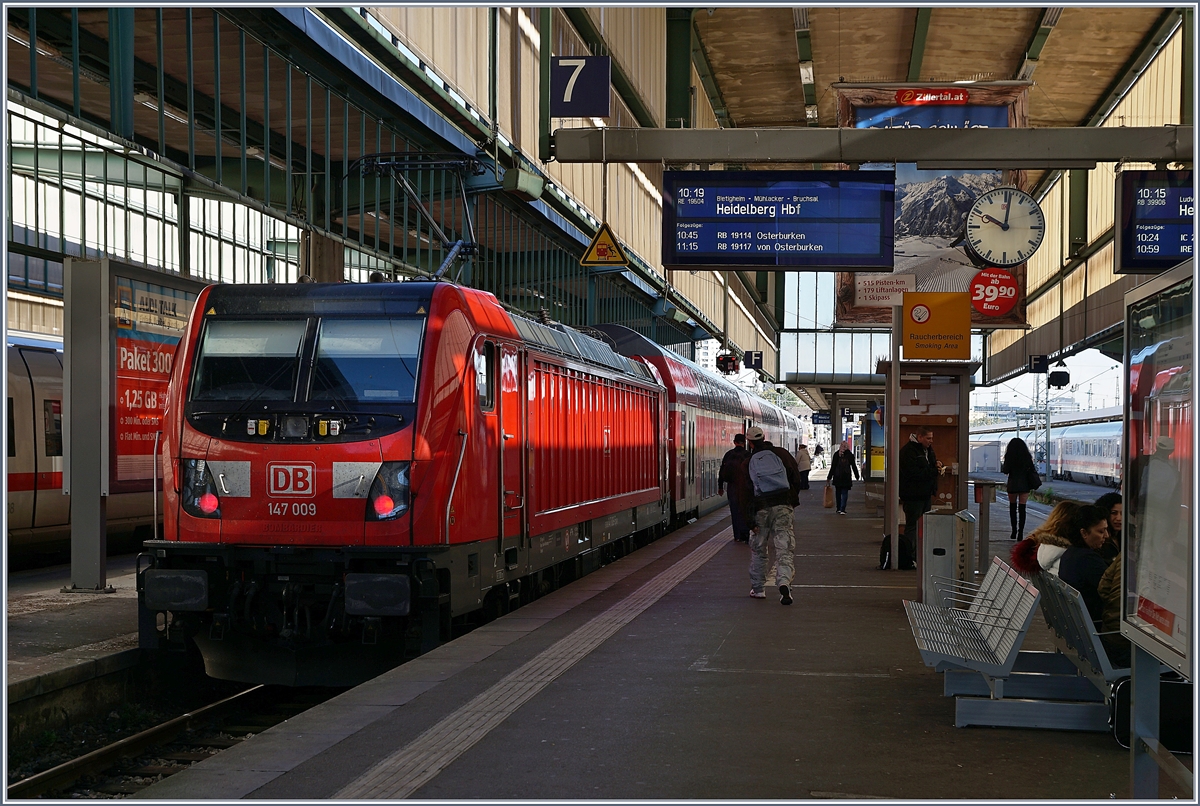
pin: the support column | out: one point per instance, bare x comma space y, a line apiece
679, 69
120, 71
321, 258
835, 424
544, 31
1143, 723
892, 441
86, 401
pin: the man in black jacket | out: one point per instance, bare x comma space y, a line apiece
733, 475
919, 470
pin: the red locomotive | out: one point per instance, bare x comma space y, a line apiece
352, 472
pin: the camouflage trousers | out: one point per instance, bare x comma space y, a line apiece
775, 524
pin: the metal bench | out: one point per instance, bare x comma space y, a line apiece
986, 635
1075, 633
974, 636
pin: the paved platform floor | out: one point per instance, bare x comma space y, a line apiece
659, 677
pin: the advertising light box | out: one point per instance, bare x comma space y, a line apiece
779, 220
1155, 229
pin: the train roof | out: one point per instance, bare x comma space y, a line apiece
630, 342
20, 338
320, 298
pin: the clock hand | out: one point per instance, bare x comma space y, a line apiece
1001, 224
1007, 209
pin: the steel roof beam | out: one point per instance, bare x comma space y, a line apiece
1067, 147
1046, 24
920, 34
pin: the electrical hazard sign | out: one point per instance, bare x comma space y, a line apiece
604, 250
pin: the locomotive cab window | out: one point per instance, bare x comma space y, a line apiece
53, 411
485, 376
368, 361
244, 359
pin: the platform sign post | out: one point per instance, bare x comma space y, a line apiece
121, 325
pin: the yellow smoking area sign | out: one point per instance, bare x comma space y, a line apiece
937, 326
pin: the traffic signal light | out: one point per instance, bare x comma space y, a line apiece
727, 364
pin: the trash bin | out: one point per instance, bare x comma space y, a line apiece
945, 548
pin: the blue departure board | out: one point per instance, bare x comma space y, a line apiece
1155, 220
779, 220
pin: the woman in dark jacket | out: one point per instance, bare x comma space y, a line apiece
1018, 466
841, 466
1081, 565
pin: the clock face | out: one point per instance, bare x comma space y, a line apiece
1005, 226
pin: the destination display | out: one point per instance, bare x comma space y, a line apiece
1155, 211
779, 220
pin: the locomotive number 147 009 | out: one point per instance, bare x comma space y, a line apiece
294, 508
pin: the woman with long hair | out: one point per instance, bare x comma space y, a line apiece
1018, 466
1043, 549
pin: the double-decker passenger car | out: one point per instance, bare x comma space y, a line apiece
352, 471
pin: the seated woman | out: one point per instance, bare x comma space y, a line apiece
1043, 549
1116, 645
1081, 565
1110, 504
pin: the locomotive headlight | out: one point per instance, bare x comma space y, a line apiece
388, 498
198, 494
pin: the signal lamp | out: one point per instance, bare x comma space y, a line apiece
208, 503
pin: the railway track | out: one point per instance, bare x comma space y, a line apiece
129, 765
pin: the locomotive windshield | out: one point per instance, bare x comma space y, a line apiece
241, 360
366, 361
356, 364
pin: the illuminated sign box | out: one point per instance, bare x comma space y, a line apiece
1155, 211
779, 220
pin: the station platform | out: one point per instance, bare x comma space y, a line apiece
659, 677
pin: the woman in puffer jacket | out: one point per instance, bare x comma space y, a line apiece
1079, 565
1042, 550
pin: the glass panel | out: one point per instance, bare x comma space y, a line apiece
367, 360
53, 412
248, 360
12, 430
1157, 531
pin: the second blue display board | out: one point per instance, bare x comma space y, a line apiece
779, 220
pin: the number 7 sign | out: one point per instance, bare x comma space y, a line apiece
579, 86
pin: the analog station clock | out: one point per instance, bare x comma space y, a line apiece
1005, 227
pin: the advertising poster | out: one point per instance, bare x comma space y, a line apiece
932, 205
150, 319
1157, 533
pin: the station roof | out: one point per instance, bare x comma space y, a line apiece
777, 67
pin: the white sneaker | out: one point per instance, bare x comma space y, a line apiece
757, 594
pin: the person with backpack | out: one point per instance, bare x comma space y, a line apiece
776, 480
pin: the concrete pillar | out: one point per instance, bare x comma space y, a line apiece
322, 258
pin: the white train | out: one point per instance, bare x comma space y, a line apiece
39, 514
1086, 451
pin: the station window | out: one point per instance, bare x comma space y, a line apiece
53, 409
485, 374
12, 430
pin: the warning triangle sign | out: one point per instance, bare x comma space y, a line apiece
604, 250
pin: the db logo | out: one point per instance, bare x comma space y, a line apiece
294, 480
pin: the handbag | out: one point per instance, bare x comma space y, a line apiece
1034, 479
828, 497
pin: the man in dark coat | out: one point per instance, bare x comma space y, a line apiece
919, 471
734, 476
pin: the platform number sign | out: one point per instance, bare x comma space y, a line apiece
754, 359
580, 86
